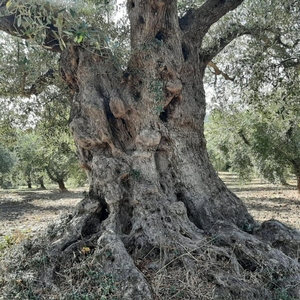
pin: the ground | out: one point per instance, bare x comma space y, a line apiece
267, 201
256, 275
26, 211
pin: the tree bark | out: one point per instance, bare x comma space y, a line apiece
140, 136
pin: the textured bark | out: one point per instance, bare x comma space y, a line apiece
140, 136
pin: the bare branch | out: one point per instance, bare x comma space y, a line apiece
292, 62
196, 22
217, 71
234, 31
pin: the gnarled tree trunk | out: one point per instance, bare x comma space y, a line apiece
140, 136
153, 192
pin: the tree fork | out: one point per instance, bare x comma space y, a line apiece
144, 168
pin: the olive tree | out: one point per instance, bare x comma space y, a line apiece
138, 127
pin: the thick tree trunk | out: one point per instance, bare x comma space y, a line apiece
155, 203
140, 136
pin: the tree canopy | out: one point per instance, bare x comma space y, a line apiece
261, 106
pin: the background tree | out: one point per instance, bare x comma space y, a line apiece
228, 138
61, 162
261, 109
250, 143
36, 105
138, 126
7, 162
30, 154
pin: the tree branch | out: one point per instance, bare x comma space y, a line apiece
196, 22
233, 32
292, 62
217, 71
9, 25
35, 89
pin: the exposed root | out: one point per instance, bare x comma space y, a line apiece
226, 263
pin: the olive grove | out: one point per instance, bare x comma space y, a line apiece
155, 204
254, 117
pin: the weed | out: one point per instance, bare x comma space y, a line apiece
282, 294
156, 89
12, 239
135, 174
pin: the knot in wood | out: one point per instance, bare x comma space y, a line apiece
178, 208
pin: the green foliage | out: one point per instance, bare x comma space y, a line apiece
225, 143
70, 22
11, 240
30, 152
249, 141
156, 89
60, 162
254, 123
7, 160
135, 174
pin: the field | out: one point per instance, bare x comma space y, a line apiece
24, 212
267, 201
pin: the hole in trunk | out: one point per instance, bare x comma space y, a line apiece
160, 36
137, 96
163, 187
164, 116
169, 109
185, 52
141, 20
93, 222
189, 209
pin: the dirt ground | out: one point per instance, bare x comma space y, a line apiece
267, 201
28, 211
